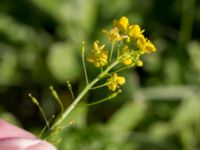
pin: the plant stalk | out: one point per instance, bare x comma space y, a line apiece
63, 116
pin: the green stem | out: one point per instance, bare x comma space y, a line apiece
99, 86
63, 116
83, 60
36, 102
111, 51
187, 21
113, 95
57, 98
122, 69
44, 116
70, 89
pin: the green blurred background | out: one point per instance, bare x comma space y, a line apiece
159, 108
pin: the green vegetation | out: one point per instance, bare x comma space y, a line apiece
159, 108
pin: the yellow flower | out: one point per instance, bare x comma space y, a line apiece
98, 61
122, 24
127, 59
97, 47
135, 31
115, 81
113, 34
145, 45
139, 63
99, 56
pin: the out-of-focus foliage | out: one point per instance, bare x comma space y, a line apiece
159, 107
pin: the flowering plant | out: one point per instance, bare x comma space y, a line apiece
128, 45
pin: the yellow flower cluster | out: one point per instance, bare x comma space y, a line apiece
99, 56
131, 58
122, 31
131, 45
115, 81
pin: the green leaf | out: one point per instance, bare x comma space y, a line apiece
65, 12
62, 62
128, 116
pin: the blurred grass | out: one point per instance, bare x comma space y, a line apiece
159, 108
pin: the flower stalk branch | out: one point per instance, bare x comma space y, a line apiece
60, 119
